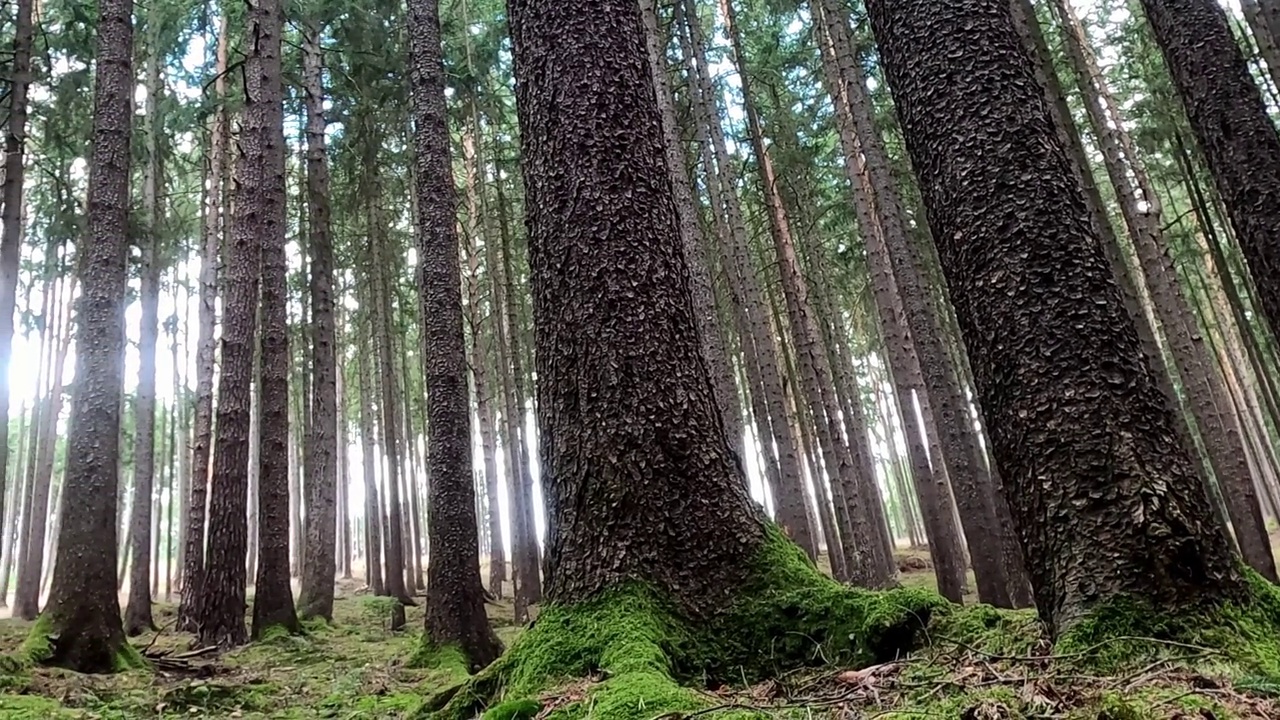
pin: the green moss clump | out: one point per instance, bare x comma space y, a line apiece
1007, 633
1241, 638
129, 658
447, 665
514, 710
38, 647
641, 648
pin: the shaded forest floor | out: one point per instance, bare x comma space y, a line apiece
979, 664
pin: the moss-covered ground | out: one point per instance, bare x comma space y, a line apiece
624, 658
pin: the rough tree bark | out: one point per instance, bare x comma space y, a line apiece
1063, 383
260, 142
368, 457
455, 613
272, 593
82, 619
315, 598
1231, 124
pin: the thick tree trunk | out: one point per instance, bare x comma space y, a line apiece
455, 613
315, 598
1126, 514
626, 454
1140, 207
257, 207
272, 593
83, 613
1233, 129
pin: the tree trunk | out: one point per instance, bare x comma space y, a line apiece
137, 613
272, 593
11, 230
8, 538
455, 613
1125, 514
257, 207
368, 457
211, 239
1140, 207
315, 598
1233, 129
83, 613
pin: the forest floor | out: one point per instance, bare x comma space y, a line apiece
980, 664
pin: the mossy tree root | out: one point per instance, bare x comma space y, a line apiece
641, 649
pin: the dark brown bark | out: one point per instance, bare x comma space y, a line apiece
315, 598
83, 612
1062, 381
1141, 208
272, 594
455, 613
257, 207
612, 309
1232, 127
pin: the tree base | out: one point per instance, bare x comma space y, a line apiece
641, 649
79, 651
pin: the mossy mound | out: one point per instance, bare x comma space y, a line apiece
643, 655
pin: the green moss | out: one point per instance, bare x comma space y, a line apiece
1241, 638
642, 649
1007, 633
514, 710
129, 658
446, 665
38, 645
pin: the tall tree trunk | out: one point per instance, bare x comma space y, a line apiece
1233, 129
1125, 515
83, 612
315, 598
272, 594
257, 207
8, 539
455, 613
137, 613
211, 240
1140, 207
11, 231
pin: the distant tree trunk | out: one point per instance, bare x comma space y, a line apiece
316, 596
257, 207
137, 613
211, 239
791, 510
390, 422
342, 459
1140, 207
1003, 206
8, 538
455, 613
744, 285
1233, 129
368, 457
524, 545
26, 601
83, 613
11, 230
